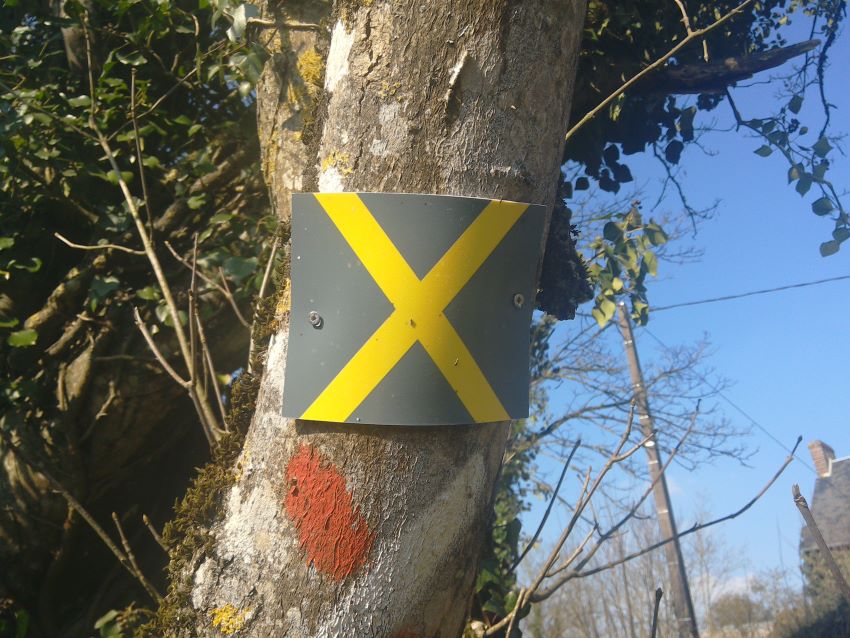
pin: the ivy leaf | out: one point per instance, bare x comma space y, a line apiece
6, 242
22, 338
795, 104
804, 183
841, 234
83, 100
828, 248
822, 147
601, 319
196, 201
819, 171
100, 289
822, 206
607, 307
132, 59
673, 151
763, 150
11, 323
220, 218
622, 173
651, 262
148, 293
612, 232
240, 17
655, 234
794, 172
239, 267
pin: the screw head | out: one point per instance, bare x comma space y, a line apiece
315, 319
519, 299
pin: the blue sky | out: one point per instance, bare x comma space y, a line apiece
785, 353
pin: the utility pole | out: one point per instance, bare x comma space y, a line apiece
683, 606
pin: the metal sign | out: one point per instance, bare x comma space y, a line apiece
410, 309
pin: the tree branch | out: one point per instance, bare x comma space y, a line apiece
715, 77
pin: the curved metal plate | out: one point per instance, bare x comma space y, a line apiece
410, 309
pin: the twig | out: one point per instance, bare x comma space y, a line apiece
520, 601
655, 65
209, 364
124, 249
139, 158
232, 300
653, 629
585, 496
548, 508
695, 527
154, 533
76, 506
252, 345
803, 506
132, 559
687, 22
288, 24
156, 352
199, 399
211, 282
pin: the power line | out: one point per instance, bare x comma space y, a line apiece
749, 294
737, 407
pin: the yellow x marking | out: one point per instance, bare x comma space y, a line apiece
419, 306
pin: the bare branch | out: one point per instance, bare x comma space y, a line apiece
653, 629
156, 352
154, 533
548, 508
133, 564
224, 290
77, 507
124, 249
695, 527
693, 35
205, 350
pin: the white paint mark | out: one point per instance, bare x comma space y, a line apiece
388, 113
330, 181
455, 74
199, 587
337, 64
252, 527
378, 148
296, 625
394, 131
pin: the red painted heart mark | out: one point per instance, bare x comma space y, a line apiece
331, 530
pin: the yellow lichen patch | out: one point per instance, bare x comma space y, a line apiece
311, 66
283, 300
339, 160
228, 619
389, 90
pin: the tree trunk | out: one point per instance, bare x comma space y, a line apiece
373, 530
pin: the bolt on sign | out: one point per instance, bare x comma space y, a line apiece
410, 309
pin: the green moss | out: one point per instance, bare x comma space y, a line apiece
188, 535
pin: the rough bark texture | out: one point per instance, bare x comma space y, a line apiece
374, 531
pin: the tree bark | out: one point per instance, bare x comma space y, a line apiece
373, 530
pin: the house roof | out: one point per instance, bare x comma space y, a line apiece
830, 506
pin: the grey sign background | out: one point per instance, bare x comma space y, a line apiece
328, 278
